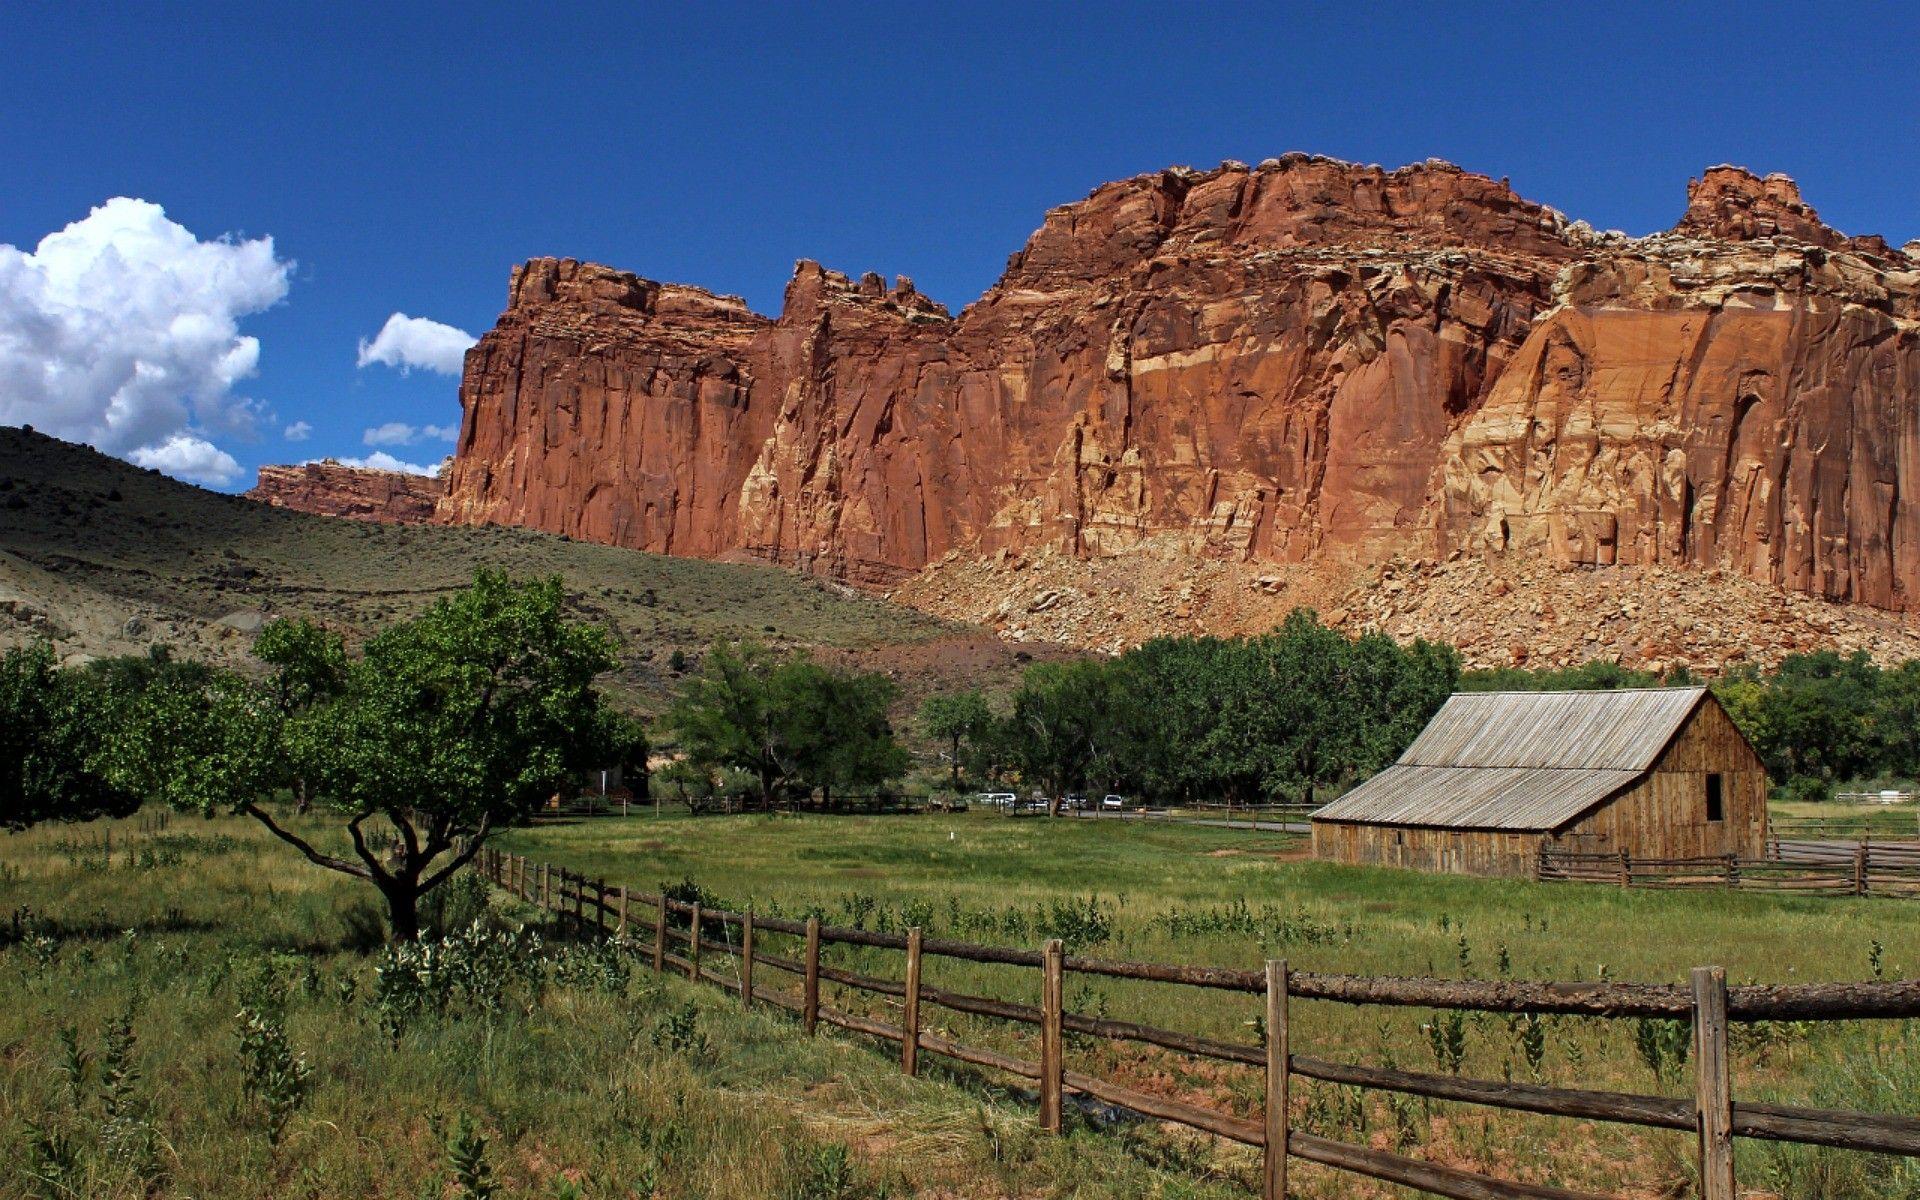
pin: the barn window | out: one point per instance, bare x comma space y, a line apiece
1716, 806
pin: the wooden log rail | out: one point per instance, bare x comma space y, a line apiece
1831, 868
1713, 1114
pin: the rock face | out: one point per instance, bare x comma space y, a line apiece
1303, 363
335, 490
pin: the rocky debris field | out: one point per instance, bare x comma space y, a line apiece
1501, 611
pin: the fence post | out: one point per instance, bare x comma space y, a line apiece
1713, 1084
1860, 870
660, 936
1279, 1066
810, 995
620, 930
546, 885
1626, 869
1051, 1002
693, 945
600, 908
910, 1017
746, 960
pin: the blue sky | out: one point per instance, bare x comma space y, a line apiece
406, 156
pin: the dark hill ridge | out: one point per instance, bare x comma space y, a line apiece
103, 557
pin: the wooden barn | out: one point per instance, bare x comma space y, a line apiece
1496, 777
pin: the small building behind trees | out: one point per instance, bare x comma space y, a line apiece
1497, 777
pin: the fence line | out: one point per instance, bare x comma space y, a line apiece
1819, 868
1715, 1115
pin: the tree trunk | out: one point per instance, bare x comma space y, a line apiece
956, 763
403, 912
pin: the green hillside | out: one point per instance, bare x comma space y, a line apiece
105, 558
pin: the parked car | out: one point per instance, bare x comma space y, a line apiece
1111, 801
997, 799
1073, 802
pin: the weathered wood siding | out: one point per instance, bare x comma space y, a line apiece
1665, 814
1455, 851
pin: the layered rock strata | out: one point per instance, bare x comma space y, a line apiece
335, 490
1298, 363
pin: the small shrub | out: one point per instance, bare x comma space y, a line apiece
678, 1030
1663, 1046
472, 1175
821, 1172
273, 1079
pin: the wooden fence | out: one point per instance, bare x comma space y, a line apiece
594, 907
1816, 868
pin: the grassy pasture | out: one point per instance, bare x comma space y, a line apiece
1174, 893
606, 1082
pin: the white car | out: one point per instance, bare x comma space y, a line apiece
997, 799
1113, 801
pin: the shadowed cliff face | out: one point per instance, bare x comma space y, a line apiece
1298, 362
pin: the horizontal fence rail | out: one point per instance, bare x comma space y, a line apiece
1811, 867
594, 907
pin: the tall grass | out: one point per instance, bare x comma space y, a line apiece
218, 1023
1231, 898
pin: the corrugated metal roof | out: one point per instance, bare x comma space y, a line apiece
1520, 760
1514, 798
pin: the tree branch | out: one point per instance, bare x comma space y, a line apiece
375, 871
301, 844
461, 859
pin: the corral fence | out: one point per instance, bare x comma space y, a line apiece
593, 907
1811, 867
1898, 824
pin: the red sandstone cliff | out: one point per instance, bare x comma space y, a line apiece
1305, 363
1295, 361
335, 490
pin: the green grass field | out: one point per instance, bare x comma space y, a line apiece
602, 1081
1181, 893
597, 1078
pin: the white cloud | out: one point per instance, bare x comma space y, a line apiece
399, 433
407, 342
393, 433
122, 330
190, 458
299, 431
380, 460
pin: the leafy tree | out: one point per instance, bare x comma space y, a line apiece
726, 716
447, 727
1814, 717
1288, 712
958, 719
788, 722
53, 737
1068, 726
841, 734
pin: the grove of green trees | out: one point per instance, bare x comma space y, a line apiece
467, 718
1295, 714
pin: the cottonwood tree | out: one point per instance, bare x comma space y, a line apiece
788, 722
1069, 725
959, 719
446, 728
53, 736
